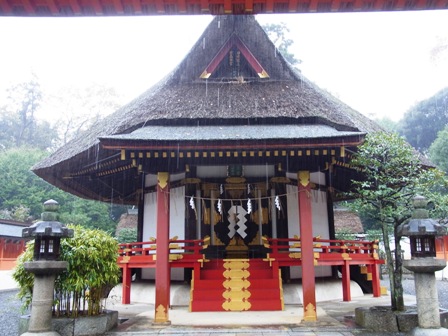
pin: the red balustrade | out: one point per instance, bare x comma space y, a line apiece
284, 252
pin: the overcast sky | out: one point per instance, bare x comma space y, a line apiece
378, 63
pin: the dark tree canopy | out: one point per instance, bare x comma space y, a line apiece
422, 122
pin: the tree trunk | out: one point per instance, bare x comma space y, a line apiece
398, 272
395, 275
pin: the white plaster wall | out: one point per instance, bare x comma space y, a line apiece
177, 224
320, 223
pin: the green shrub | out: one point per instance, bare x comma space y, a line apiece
127, 235
92, 271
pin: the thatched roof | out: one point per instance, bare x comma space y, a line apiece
183, 98
347, 221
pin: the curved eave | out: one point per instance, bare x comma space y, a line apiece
236, 144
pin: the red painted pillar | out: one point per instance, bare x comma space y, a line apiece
307, 249
346, 294
163, 276
126, 285
376, 284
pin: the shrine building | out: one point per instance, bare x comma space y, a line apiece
234, 161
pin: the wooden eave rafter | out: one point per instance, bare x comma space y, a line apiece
68, 8
234, 40
118, 144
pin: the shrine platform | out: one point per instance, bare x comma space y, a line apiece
335, 316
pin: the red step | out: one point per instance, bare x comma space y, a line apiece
260, 290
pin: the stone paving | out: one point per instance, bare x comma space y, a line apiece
335, 318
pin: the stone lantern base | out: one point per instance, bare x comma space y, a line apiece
45, 272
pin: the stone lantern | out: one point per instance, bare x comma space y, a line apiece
423, 233
47, 234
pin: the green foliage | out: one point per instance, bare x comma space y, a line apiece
388, 124
278, 32
390, 170
345, 234
438, 151
391, 173
422, 122
90, 214
21, 189
434, 186
127, 235
92, 272
24, 278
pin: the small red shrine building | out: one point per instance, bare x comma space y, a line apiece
234, 160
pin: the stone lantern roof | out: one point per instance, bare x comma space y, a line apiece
420, 223
49, 226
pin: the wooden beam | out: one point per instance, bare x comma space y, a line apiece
5, 7
307, 246
205, 6
160, 6
182, 6
76, 8
357, 6
118, 5
227, 6
249, 6
346, 294
137, 5
97, 7
29, 8
53, 7
163, 275
250, 58
292, 6
126, 284
217, 59
313, 6
335, 5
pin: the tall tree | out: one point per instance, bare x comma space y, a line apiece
421, 123
18, 123
438, 152
390, 174
82, 108
278, 33
21, 189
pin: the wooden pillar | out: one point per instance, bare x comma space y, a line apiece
163, 276
126, 285
346, 294
376, 285
307, 250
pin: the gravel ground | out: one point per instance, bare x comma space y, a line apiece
409, 288
10, 311
10, 306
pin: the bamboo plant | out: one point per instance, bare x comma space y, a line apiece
92, 271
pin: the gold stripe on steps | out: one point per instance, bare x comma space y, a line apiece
236, 285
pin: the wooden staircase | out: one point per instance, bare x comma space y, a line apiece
236, 285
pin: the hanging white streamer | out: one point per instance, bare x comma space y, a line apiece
249, 206
219, 206
221, 189
277, 202
192, 203
248, 189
